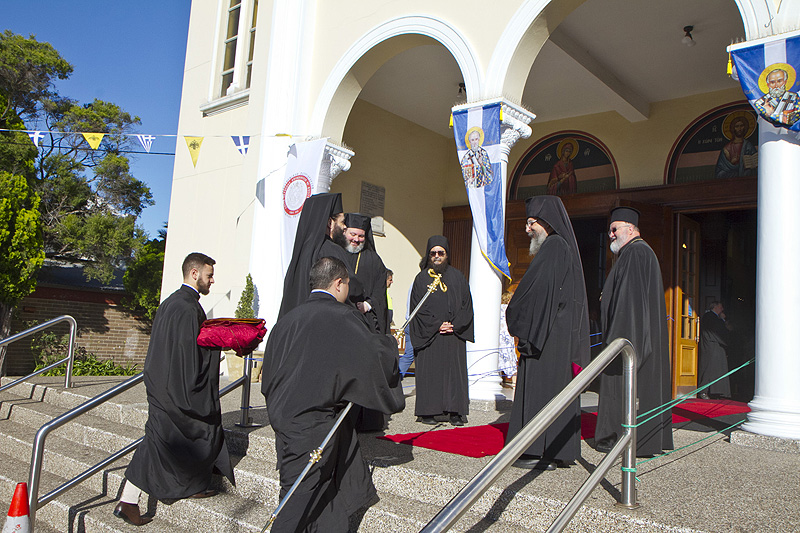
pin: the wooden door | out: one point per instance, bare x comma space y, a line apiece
687, 300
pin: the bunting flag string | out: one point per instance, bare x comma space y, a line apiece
193, 143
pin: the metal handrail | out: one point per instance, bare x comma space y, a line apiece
473, 490
69, 359
37, 453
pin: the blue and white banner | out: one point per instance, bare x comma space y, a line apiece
301, 181
767, 71
242, 143
477, 134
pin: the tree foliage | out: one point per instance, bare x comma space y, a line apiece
245, 307
142, 278
89, 198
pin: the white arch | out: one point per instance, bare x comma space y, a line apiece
762, 18
438, 30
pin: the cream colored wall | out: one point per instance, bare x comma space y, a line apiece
415, 166
211, 205
640, 149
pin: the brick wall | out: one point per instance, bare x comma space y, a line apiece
104, 327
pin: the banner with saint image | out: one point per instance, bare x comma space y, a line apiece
767, 70
477, 135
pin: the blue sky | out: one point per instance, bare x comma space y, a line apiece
129, 53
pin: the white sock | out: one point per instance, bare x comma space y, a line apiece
130, 493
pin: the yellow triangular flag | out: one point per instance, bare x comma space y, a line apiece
451, 120
93, 139
193, 143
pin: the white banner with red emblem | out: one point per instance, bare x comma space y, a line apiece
302, 173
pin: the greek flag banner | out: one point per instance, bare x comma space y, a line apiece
767, 70
477, 135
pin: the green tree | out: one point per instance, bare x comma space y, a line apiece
142, 278
245, 307
21, 242
62, 199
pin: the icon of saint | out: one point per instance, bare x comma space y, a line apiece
562, 178
476, 166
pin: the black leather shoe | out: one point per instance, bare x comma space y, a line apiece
456, 420
427, 420
535, 463
204, 494
130, 513
605, 445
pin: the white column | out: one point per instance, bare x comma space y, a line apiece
776, 405
335, 160
485, 283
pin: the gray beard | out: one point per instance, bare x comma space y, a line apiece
536, 243
353, 249
777, 92
615, 247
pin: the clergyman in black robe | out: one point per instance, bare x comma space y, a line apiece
183, 440
633, 307
320, 233
365, 263
549, 315
368, 266
319, 357
439, 333
713, 356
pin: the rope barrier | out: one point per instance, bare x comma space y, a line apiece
669, 405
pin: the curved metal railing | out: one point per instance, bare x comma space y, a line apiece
462, 501
69, 359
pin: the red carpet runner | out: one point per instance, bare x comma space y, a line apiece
480, 441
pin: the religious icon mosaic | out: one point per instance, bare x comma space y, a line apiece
564, 163
722, 143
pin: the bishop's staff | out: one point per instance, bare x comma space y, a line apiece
316, 455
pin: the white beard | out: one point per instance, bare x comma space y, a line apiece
777, 92
536, 242
615, 246
353, 249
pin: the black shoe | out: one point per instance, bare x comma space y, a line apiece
535, 463
130, 513
456, 420
605, 445
427, 420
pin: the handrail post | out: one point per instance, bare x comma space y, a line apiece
245, 420
628, 496
73, 330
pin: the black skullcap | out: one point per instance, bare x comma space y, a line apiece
625, 214
357, 220
438, 240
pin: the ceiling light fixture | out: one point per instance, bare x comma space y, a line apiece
687, 38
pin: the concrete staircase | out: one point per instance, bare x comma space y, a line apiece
413, 483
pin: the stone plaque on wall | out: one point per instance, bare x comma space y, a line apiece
373, 198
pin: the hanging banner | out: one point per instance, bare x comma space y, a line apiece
36, 137
477, 135
193, 144
302, 173
146, 141
242, 143
767, 70
94, 139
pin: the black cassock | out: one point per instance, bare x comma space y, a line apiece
548, 313
633, 308
331, 249
441, 360
713, 357
371, 273
318, 357
183, 436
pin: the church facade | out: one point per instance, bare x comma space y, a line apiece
601, 105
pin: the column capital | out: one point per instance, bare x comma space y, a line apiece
335, 159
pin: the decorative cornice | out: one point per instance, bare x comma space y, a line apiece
335, 160
226, 103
